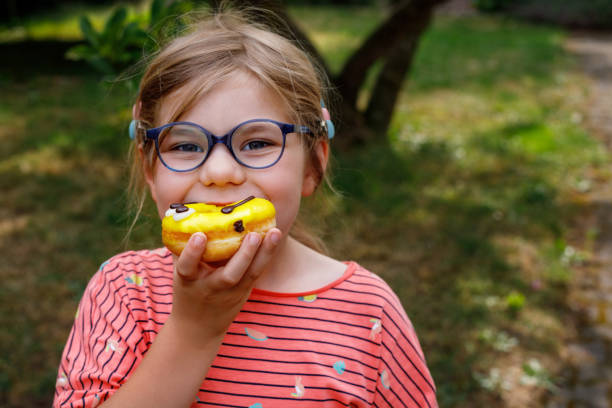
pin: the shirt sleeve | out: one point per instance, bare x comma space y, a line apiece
403, 377
104, 345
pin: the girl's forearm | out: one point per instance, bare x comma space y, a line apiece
171, 372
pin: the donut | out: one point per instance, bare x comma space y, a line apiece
225, 226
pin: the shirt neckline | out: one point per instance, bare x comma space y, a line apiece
348, 272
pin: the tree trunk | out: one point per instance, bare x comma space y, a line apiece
389, 81
395, 40
380, 44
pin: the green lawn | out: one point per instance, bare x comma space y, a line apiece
466, 211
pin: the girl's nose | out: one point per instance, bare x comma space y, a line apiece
220, 168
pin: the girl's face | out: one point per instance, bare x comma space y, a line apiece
222, 180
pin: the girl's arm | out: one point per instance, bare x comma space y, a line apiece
205, 302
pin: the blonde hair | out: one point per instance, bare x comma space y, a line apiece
213, 49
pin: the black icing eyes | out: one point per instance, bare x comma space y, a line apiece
239, 226
179, 207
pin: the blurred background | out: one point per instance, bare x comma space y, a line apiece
472, 160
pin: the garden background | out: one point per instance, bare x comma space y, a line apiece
475, 205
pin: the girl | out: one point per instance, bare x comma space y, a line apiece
280, 324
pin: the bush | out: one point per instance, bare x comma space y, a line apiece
122, 42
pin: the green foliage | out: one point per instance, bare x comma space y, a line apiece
485, 52
515, 302
122, 41
534, 374
498, 340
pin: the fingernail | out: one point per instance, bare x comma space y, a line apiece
197, 240
275, 237
254, 238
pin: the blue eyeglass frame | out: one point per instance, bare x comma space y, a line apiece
286, 128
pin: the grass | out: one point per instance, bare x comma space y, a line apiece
466, 212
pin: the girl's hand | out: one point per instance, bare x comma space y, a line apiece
207, 299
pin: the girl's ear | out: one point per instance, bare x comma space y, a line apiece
136, 110
313, 174
147, 172
146, 169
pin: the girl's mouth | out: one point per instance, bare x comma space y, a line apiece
226, 203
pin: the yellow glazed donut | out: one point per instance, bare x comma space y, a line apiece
224, 226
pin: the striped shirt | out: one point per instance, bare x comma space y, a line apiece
348, 344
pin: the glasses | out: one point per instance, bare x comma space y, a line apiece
256, 143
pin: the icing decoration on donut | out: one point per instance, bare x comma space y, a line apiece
224, 225
230, 208
238, 226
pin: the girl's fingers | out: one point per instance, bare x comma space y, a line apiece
243, 268
237, 265
187, 265
263, 256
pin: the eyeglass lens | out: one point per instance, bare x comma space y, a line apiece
255, 144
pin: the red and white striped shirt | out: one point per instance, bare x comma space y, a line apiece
348, 344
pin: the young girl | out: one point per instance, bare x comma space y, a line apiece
280, 324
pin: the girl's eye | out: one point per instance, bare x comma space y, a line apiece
255, 145
188, 147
